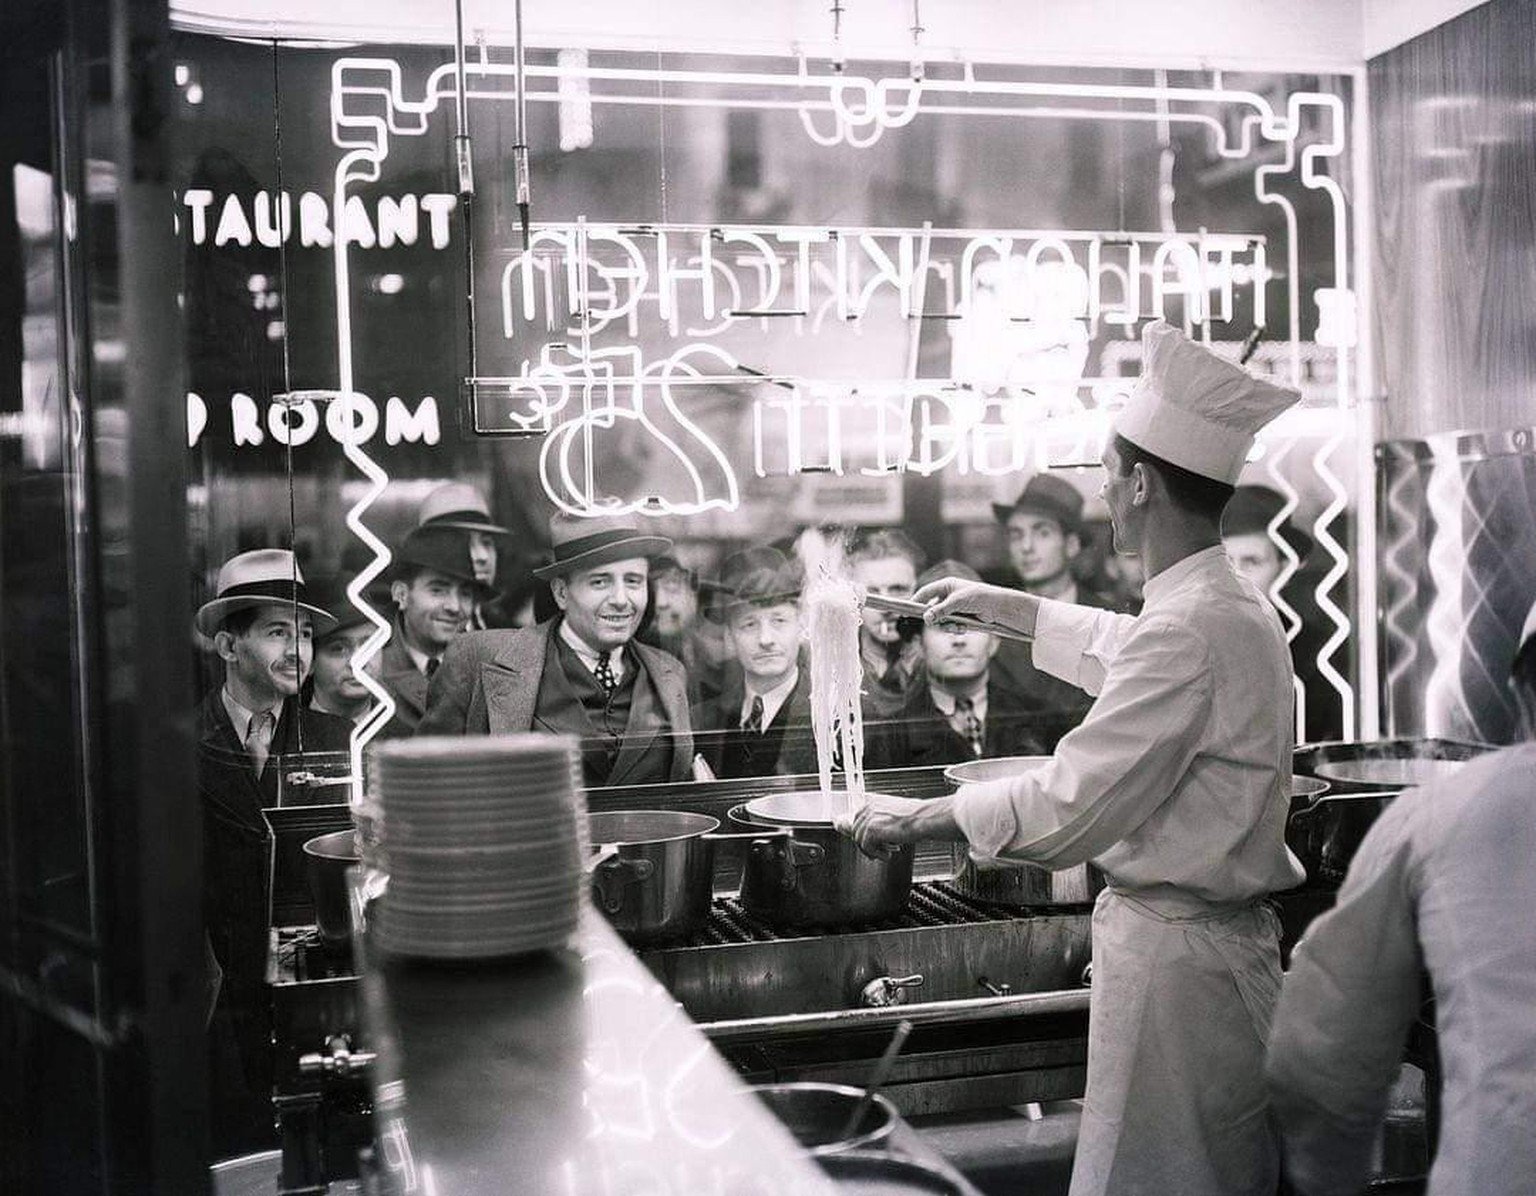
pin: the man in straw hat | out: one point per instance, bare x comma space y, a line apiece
460, 508
762, 719
1176, 785
434, 588
1442, 883
260, 621
580, 673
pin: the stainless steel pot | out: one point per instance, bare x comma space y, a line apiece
817, 1115
1019, 886
1325, 829
814, 875
657, 880
326, 860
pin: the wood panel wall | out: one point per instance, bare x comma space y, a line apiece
1453, 120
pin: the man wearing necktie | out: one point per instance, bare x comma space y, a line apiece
964, 708
759, 725
581, 673
434, 589
261, 624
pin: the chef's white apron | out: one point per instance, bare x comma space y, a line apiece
1183, 993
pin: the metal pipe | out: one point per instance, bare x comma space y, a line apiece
927, 1013
465, 161
520, 148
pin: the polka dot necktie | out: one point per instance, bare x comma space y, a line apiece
970, 723
604, 674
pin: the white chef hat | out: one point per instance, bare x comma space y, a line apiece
1195, 409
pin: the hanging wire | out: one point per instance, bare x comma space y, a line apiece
287, 384
662, 135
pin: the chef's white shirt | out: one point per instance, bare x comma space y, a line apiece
1444, 880
1178, 780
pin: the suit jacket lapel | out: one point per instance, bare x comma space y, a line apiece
228, 782
510, 681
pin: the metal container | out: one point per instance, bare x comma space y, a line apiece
815, 875
817, 1115
326, 861
1325, 829
657, 885
1022, 886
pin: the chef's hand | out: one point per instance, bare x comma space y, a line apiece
883, 823
1000, 605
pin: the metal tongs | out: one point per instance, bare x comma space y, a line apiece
907, 608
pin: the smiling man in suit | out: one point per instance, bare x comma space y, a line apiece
261, 623
434, 591
582, 672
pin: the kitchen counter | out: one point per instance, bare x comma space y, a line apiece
568, 1072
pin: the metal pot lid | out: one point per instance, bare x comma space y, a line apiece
1400, 772
633, 827
803, 807
994, 768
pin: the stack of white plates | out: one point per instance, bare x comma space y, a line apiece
482, 841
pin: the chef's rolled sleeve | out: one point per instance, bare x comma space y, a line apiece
1076, 643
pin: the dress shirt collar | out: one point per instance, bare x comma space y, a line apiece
588, 656
418, 657
239, 716
773, 699
875, 658
945, 701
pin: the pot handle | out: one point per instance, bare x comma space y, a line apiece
613, 873
1324, 799
786, 855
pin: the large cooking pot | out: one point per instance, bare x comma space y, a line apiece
817, 1115
326, 861
1021, 886
815, 875
656, 881
1325, 828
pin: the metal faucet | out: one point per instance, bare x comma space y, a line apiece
338, 1061
887, 990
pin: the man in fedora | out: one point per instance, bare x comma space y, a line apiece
760, 724
581, 672
1252, 537
460, 507
1044, 527
434, 589
963, 710
333, 685
260, 622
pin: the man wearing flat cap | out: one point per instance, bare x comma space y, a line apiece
433, 588
760, 724
1260, 538
1176, 785
261, 622
582, 672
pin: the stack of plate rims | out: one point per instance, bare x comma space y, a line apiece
483, 842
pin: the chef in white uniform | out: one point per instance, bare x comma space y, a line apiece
1445, 881
1176, 785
